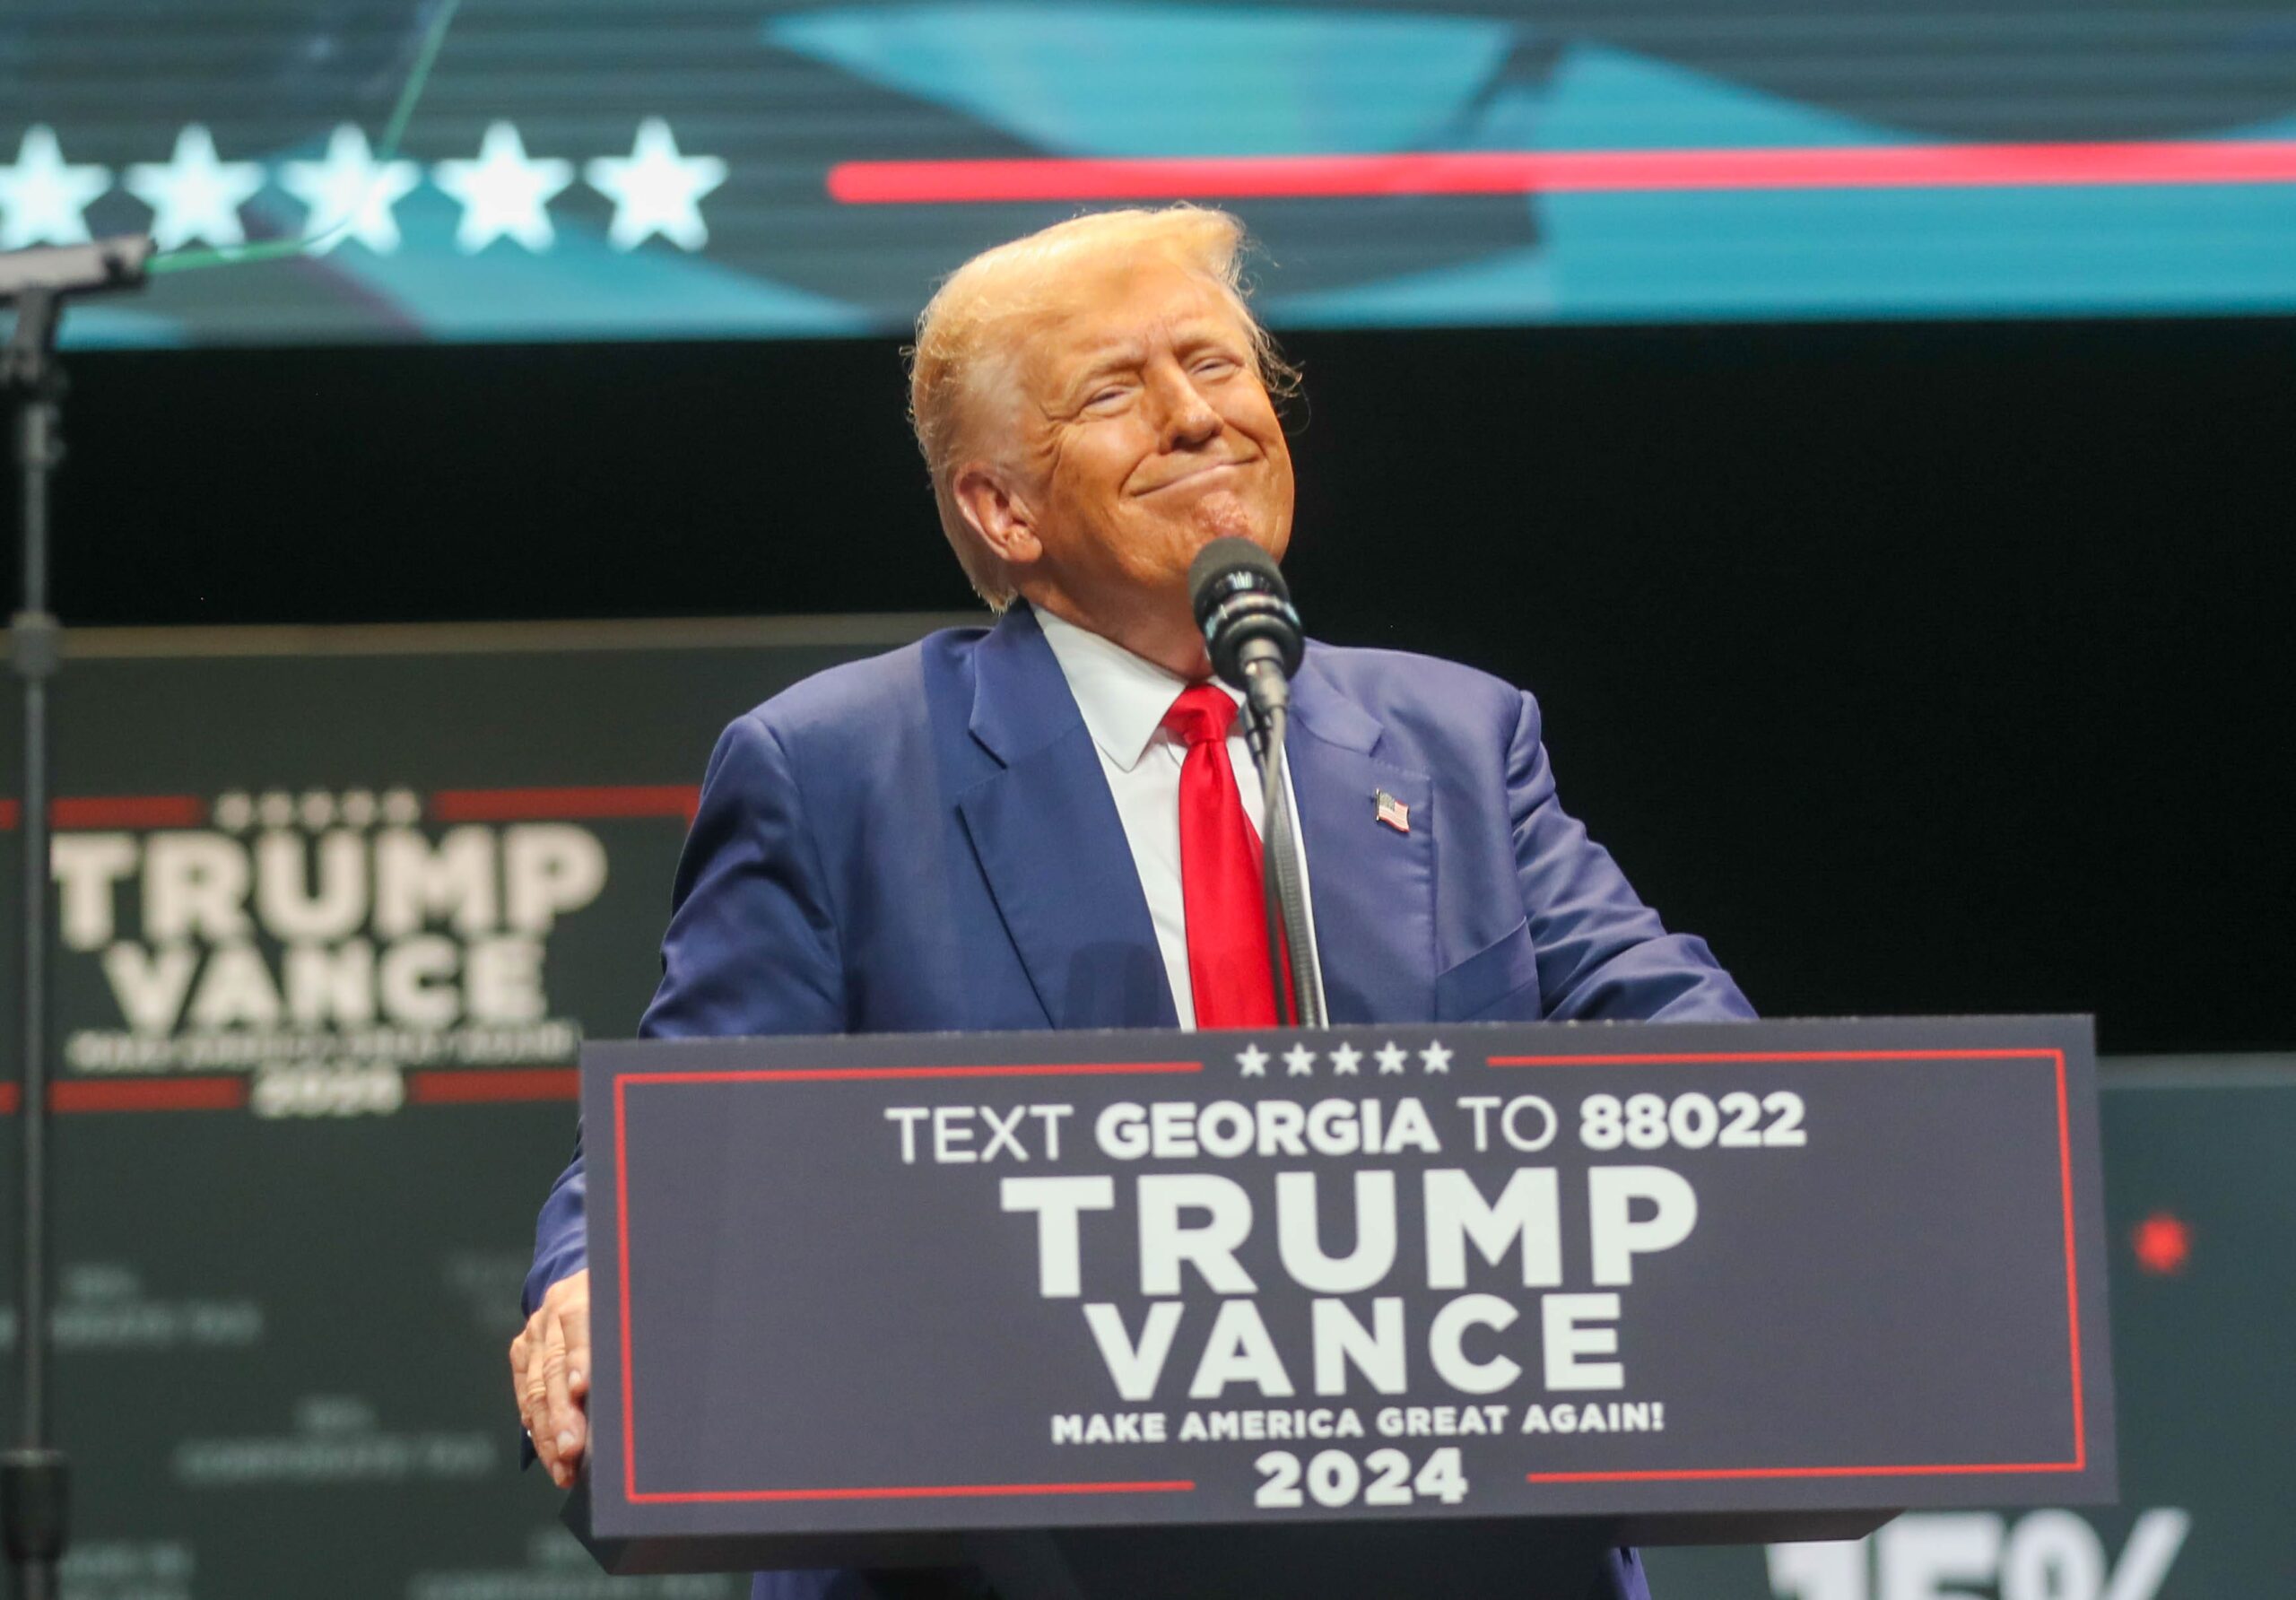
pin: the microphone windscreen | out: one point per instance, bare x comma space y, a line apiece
1227, 558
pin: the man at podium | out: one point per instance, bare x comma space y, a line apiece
1053, 822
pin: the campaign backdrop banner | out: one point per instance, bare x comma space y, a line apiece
303, 1127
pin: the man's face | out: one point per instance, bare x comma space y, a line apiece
1145, 433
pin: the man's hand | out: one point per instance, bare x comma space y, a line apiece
549, 1369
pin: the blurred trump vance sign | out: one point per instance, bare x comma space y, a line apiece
323, 943
327, 884
391, 926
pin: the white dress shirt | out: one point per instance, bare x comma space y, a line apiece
1123, 698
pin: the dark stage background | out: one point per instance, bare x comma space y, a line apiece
1922, 667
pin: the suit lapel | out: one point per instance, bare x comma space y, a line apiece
1373, 887
1046, 833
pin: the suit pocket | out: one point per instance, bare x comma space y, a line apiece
1503, 975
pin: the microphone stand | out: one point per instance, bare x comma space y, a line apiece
1268, 698
34, 1480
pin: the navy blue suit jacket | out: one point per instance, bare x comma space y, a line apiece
926, 841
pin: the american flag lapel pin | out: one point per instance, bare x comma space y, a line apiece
1386, 808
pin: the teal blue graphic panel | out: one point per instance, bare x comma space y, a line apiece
611, 170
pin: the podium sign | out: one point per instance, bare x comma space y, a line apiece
1666, 1275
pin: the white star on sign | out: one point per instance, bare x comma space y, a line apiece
656, 190
350, 193
1299, 1062
1344, 1060
42, 196
194, 196
1391, 1059
1436, 1058
1253, 1060
504, 192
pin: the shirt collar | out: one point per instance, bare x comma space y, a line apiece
1123, 697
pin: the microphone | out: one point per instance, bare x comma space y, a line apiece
1250, 630
1252, 634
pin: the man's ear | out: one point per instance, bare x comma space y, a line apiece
997, 514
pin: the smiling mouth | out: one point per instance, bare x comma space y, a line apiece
1190, 477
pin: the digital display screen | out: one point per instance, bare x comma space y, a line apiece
685, 169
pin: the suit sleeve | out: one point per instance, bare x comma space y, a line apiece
752, 947
1602, 955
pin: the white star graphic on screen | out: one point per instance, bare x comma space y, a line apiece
656, 190
1344, 1060
1253, 1060
1435, 1058
350, 193
401, 808
1299, 1062
1391, 1059
42, 196
505, 192
193, 195
234, 810
276, 809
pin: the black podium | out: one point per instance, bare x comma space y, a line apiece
1351, 1311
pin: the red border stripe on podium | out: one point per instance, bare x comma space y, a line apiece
2065, 1157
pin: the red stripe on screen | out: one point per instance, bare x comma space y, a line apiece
2148, 163
565, 803
115, 810
452, 1087
208, 1093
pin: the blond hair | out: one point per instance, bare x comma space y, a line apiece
965, 351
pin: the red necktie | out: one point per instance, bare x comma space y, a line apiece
1220, 870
